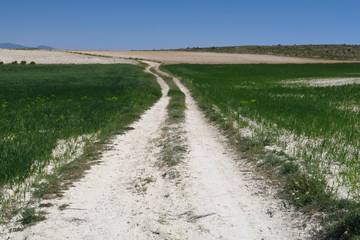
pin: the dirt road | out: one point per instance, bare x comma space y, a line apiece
127, 196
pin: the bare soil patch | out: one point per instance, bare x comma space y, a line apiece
174, 57
327, 82
55, 57
330, 51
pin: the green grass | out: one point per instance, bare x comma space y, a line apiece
177, 106
41, 104
321, 114
323, 122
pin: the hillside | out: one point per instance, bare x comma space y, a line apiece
334, 52
17, 46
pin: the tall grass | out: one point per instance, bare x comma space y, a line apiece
41, 104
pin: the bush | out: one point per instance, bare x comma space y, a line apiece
1, 62
289, 168
347, 229
23, 62
14, 62
29, 216
32, 63
304, 190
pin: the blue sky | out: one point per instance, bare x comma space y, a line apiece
163, 24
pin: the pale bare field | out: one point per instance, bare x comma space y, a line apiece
174, 57
165, 57
55, 57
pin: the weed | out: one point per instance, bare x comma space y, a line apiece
63, 207
173, 174
289, 168
271, 161
45, 205
304, 190
176, 106
348, 228
29, 216
149, 180
50, 186
173, 147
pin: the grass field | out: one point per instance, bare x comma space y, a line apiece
44, 106
335, 52
319, 125
316, 127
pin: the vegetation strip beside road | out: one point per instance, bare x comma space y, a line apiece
54, 114
173, 142
277, 106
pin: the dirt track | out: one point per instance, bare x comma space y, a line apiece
127, 197
174, 57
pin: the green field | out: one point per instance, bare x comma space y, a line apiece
319, 125
43, 104
311, 130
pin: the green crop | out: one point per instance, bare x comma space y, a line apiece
41, 104
316, 127
320, 125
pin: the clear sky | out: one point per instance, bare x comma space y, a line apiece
163, 24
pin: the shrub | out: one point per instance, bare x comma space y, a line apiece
23, 62
289, 168
304, 190
14, 62
32, 63
347, 228
30, 216
1, 62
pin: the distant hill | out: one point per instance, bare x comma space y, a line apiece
45, 47
335, 52
17, 46
11, 46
